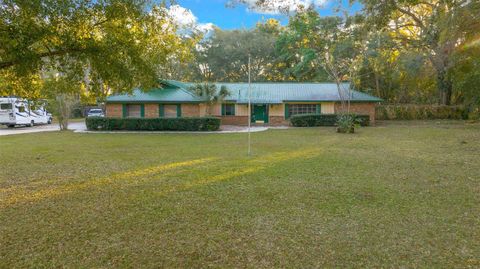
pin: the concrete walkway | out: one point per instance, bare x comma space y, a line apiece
75, 126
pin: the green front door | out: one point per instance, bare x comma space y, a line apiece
260, 113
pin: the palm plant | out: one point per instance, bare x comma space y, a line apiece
210, 94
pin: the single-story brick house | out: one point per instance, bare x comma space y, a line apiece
272, 103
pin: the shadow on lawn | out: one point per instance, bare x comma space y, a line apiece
17, 195
11, 196
254, 165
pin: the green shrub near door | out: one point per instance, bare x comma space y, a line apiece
154, 124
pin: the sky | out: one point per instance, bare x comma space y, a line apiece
206, 13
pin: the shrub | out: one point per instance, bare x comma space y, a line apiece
421, 112
346, 123
382, 113
310, 120
474, 115
154, 124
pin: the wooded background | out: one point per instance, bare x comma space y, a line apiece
404, 51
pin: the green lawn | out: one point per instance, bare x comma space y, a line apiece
397, 195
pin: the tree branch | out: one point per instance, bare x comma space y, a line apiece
11, 63
410, 14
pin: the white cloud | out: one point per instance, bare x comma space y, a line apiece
205, 27
187, 21
182, 16
281, 6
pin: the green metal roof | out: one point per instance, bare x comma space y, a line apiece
289, 92
266, 93
170, 93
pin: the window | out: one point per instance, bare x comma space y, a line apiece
295, 109
228, 109
170, 111
6, 106
133, 111
21, 109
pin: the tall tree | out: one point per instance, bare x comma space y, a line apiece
298, 46
224, 56
379, 63
112, 44
339, 58
466, 72
396, 74
435, 27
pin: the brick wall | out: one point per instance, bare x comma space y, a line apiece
151, 111
194, 110
114, 110
361, 109
202, 110
216, 110
278, 121
190, 110
242, 120
234, 120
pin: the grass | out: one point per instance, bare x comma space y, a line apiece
76, 120
398, 195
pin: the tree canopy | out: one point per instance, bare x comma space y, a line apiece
107, 45
433, 29
404, 51
224, 56
401, 50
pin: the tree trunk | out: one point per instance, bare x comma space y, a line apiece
377, 84
63, 111
444, 86
340, 94
65, 103
441, 63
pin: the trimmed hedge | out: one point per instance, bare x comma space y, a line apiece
310, 120
424, 112
154, 124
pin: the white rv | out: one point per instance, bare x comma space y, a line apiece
16, 111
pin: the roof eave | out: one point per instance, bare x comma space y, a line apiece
239, 102
330, 100
151, 102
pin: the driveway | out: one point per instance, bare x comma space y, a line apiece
76, 126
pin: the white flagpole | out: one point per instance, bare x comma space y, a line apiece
249, 107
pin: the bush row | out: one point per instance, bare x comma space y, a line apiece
154, 124
425, 112
309, 120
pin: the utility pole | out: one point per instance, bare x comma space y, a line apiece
249, 107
